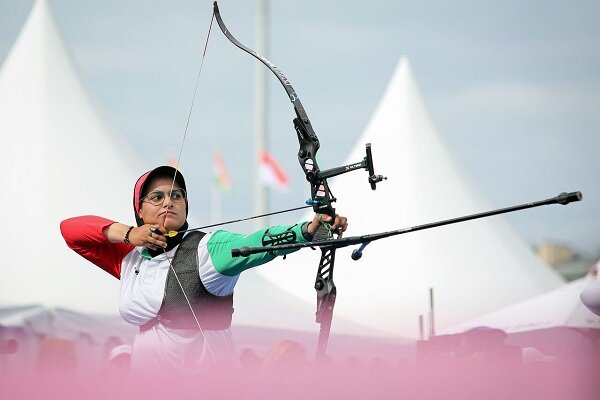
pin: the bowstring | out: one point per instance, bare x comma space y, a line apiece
187, 124
174, 233
189, 116
192, 309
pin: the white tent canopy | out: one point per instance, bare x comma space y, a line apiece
560, 307
474, 267
58, 158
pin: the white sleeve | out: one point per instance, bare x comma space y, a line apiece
215, 282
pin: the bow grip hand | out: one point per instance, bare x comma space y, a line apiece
323, 226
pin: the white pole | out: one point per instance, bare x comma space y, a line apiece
431, 314
261, 199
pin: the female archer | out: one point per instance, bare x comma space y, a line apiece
178, 290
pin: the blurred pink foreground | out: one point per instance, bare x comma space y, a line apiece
480, 364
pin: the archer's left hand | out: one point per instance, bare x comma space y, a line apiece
338, 225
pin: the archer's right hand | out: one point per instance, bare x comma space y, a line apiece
150, 236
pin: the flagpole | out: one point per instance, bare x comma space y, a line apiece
261, 198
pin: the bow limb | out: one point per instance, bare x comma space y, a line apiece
321, 197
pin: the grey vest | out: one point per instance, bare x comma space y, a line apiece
213, 312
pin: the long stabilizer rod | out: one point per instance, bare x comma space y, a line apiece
563, 198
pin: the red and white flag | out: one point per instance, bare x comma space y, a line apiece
272, 174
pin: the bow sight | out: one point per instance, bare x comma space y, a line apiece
366, 163
315, 176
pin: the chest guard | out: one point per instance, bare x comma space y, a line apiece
213, 312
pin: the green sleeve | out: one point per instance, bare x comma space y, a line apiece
222, 242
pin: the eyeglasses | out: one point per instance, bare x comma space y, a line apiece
156, 198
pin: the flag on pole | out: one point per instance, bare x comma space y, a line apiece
272, 174
221, 176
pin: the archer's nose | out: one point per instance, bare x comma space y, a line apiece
167, 203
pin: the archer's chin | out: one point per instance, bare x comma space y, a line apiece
172, 224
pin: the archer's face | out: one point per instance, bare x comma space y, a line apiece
161, 208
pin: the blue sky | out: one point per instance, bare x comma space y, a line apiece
513, 88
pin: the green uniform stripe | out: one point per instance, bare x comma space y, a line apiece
221, 243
